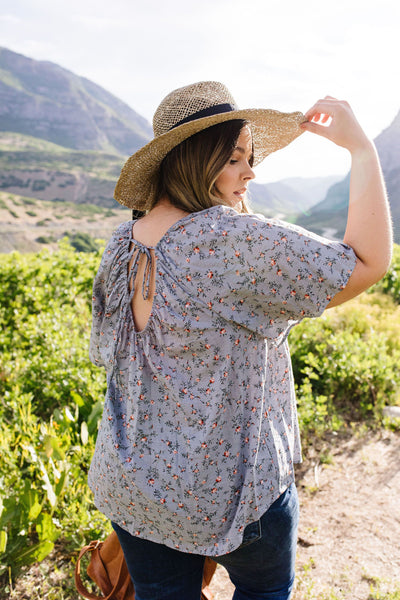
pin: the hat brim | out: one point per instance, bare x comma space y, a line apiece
271, 131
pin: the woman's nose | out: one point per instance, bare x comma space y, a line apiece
249, 173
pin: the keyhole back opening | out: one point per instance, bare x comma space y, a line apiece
143, 282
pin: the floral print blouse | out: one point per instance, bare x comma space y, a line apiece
199, 432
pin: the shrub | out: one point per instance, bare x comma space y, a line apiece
345, 366
45, 239
82, 242
346, 363
51, 400
390, 284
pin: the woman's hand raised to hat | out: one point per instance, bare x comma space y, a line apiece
335, 120
368, 229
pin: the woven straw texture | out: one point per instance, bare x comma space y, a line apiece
271, 131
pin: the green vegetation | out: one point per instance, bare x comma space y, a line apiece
83, 242
29, 201
26, 153
45, 239
379, 589
9, 79
345, 365
80, 211
390, 284
51, 400
12, 141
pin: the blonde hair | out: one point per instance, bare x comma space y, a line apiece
188, 173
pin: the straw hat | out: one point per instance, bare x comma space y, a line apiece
187, 111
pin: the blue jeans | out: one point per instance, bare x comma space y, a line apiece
262, 568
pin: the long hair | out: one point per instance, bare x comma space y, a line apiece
188, 173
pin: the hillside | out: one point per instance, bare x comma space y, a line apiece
29, 224
38, 169
46, 101
332, 211
290, 196
40, 182
64, 139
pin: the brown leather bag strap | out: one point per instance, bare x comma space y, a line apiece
94, 546
78, 581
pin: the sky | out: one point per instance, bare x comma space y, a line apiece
281, 54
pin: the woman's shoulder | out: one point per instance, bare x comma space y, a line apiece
227, 222
223, 226
124, 229
222, 218
122, 233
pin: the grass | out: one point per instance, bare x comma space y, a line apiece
379, 589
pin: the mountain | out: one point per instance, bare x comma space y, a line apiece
43, 100
39, 169
329, 216
290, 196
64, 139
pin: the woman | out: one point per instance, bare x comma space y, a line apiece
192, 306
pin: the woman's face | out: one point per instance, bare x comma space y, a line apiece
231, 183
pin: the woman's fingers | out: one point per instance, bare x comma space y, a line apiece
315, 128
324, 106
334, 119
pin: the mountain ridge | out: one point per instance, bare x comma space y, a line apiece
63, 138
52, 103
332, 210
33, 167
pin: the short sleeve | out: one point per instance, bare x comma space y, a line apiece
268, 275
109, 291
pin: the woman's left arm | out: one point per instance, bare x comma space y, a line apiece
368, 230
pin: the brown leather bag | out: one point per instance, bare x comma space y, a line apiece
107, 568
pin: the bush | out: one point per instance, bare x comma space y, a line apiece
345, 366
390, 284
51, 401
82, 242
345, 363
45, 239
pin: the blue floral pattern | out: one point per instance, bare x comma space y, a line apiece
199, 431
